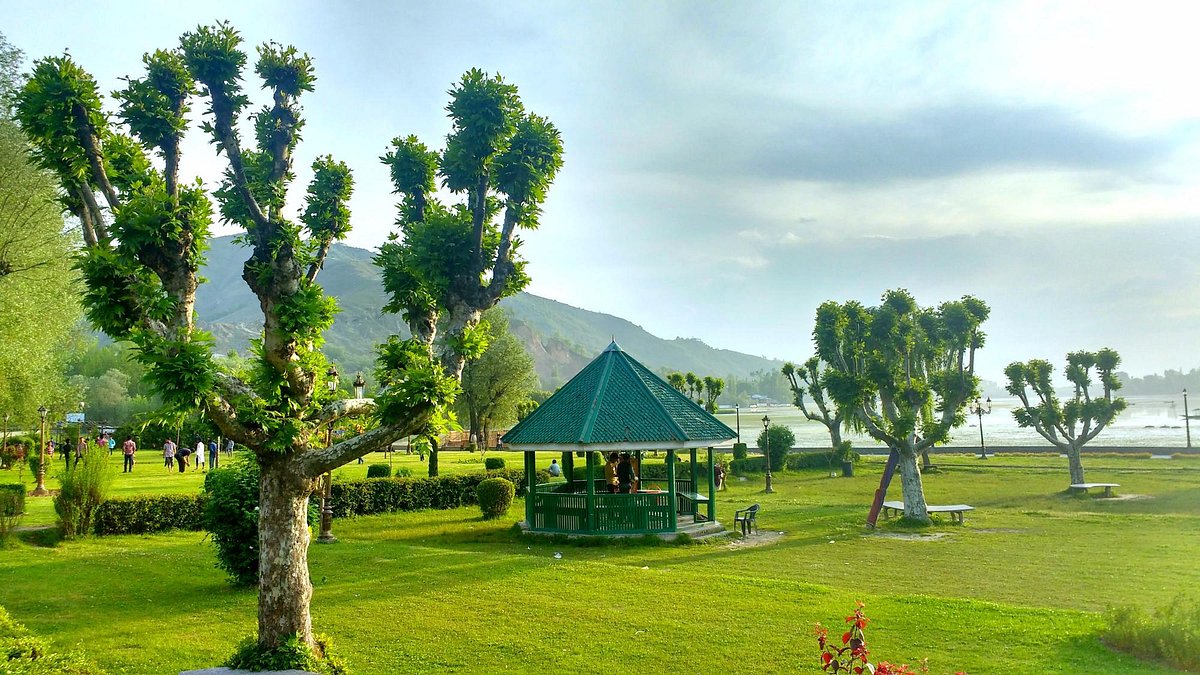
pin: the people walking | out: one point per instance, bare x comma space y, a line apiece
213, 454
169, 454
229, 447
128, 447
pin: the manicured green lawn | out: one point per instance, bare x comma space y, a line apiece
1018, 588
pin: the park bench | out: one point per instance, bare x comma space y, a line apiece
956, 511
1086, 486
747, 519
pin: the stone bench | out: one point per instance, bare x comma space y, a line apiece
1087, 486
956, 511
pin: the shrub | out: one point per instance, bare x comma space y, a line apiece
495, 496
231, 517
149, 514
12, 506
35, 460
402, 472
23, 652
739, 451
83, 487
379, 471
291, 655
368, 497
493, 463
1170, 635
779, 441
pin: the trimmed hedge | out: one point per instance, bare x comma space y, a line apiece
12, 499
23, 652
493, 463
795, 462
386, 495
379, 471
495, 496
149, 514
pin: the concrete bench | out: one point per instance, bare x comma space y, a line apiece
956, 511
1086, 486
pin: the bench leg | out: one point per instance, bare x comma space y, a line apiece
1107, 492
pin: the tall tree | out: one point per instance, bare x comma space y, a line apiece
1072, 423
810, 379
905, 372
693, 385
146, 232
676, 380
713, 386
495, 385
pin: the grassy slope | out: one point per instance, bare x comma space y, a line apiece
1015, 590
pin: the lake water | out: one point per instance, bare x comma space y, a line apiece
1149, 421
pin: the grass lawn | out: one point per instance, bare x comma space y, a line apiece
1017, 589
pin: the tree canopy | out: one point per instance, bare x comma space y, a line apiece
498, 383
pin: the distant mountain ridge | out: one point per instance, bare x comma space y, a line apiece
560, 338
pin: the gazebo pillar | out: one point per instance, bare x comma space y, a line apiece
712, 488
695, 486
568, 467
591, 491
671, 490
530, 486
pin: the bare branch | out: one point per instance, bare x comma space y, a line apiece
349, 407
319, 263
313, 463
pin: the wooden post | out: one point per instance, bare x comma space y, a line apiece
568, 461
591, 491
671, 490
712, 488
530, 486
695, 486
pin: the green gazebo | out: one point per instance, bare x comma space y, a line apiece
617, 404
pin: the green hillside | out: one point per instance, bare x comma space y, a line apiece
561, 338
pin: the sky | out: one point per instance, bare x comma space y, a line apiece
730, 166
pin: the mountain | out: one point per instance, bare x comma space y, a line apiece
560, 338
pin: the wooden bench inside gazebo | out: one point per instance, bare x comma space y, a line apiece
615, 404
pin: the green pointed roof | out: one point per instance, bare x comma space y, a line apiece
616, 403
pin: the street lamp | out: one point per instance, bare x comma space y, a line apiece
326, 536
1187, 427
979, 411
737, 411
767, 450
40, 490
359, 385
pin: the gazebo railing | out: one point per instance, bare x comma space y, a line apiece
612, 513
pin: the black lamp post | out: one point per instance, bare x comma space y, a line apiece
359, 385
40, 490
326, 536
737, 412
979, 411
767, 450
1187, 427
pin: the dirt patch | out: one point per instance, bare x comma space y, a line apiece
998, 530
910, 536
752, 540
1124, 498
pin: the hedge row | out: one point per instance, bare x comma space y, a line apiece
386, 495
148, 514
795, 462
25, 654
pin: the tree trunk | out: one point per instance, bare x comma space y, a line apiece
1074, 462
433, 452
284, 589
910, 484
835, 435
925, 461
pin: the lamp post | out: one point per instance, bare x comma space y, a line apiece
767, 450
326, 536
40, 490
979, 411
1187, 427
359, 385
737, 411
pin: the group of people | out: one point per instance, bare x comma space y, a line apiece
621, 473
175, 454
100, 443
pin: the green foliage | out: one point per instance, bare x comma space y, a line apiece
1169, 635
327, 215
26, 654
495, 496
369, 497
1079, 418
83, 488
740, 451
231, 517
499, 381
411, 378
12, 507
148, 514
493, 463
291, 655
778, 441
379, 471
181, 372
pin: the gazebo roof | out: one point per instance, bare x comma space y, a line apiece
616, 403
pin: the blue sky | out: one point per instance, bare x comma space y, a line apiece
729, 166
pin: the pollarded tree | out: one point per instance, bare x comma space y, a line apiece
146, 232
676, 380
713, 386
498, 382
1072, 423
809, 379
905, 372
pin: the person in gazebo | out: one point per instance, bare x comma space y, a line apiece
610, 473
625, 474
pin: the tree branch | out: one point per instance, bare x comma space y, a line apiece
319, 264
222, 109
313, 463
86, 135
347, 407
